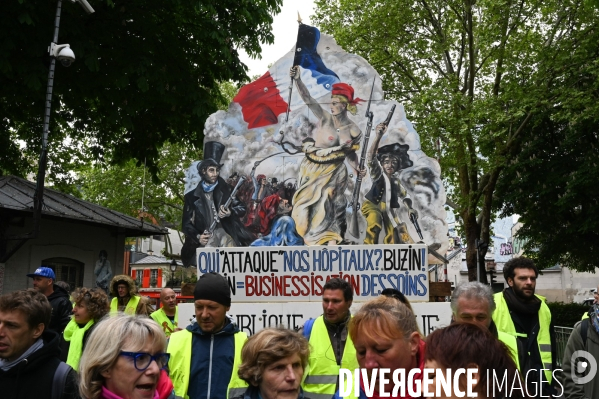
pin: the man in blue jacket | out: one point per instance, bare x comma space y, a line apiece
205, 357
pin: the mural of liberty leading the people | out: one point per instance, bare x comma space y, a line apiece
280, 166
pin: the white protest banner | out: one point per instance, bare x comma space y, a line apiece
297, 274
253, 317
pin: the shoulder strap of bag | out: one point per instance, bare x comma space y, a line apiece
584, 326
60, 379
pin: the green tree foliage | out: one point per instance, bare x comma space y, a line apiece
553, 186
470, 76
552, 183
147, 72
122, 187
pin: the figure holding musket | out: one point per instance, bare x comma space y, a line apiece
382, 201
211, 213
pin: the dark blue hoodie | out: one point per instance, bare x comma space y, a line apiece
212, 358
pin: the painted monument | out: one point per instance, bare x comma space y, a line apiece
310, 154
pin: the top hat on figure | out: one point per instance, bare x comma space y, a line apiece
213, 152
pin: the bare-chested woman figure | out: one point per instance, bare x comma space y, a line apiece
319, 204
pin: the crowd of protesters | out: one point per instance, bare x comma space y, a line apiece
121, 348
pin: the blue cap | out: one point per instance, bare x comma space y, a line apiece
43, 272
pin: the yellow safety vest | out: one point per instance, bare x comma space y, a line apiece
323, 370
585, 316
504, 323
130, 308
511, 342
162, 319
179, 346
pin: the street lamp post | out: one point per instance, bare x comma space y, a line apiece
66, 56
173, 267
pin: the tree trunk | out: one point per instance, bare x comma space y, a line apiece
471, 229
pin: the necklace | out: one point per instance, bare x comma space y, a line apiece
335, 124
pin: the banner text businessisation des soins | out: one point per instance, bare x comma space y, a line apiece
264, 274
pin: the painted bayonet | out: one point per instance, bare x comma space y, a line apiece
355, 205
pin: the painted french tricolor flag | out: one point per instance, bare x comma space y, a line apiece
262, 101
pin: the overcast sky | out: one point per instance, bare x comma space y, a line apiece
285, 30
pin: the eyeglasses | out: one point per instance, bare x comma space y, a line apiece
142, 360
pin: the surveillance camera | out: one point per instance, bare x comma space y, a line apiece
88, 9
66, 57
63, 53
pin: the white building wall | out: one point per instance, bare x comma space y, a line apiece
64, 239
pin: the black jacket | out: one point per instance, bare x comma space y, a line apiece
377, 192
528, 349
33, 376
196, 217
62, 309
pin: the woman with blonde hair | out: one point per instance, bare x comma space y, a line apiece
385, 335
125, 358
273, 364
90, 306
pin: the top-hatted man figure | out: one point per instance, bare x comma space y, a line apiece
206, 203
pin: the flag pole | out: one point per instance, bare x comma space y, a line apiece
299, 21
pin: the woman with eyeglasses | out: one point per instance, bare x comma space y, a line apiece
90, 306
125, 359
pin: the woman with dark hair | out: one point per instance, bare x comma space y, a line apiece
468, 346
90, 306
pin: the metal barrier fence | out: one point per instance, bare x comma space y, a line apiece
561, 338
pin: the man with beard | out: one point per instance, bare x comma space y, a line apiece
527, 317
205, 204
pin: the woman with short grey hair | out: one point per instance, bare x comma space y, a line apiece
273, 364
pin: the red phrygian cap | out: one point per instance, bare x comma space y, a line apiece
345, 90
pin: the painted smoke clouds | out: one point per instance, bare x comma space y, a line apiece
246, 146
